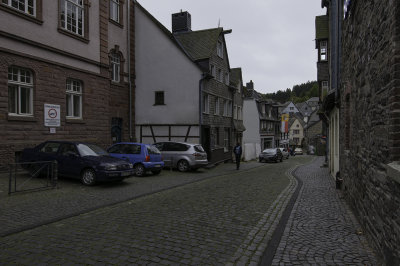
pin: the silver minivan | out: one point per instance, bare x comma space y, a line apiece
182, 155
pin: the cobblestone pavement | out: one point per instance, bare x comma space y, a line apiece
23, 211
321, 229
225, 219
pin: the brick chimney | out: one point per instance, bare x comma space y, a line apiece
250, 85
181, 22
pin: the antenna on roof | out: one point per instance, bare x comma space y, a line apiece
219, 22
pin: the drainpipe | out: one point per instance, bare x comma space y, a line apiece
129, 70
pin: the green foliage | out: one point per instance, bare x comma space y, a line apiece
299, 93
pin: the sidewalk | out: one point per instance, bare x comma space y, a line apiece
321, 229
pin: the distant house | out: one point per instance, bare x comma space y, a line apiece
251, 137
290, 108
296, 131
168, 95
236, 81
262, 122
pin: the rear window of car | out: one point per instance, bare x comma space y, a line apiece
198, 148
152, 150
50, 147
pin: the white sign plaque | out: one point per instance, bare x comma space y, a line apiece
51, 115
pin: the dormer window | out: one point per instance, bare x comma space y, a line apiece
323, 51
220, 49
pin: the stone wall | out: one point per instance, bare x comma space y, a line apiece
370, 120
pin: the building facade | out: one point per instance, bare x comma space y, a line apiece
370, 120
62, 76
208, 49
166, 77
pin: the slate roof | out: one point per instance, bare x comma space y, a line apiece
321, 27
199, 44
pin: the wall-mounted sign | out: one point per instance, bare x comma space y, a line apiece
51, 115
52, 130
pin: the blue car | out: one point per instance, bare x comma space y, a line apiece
144, 157
85, 161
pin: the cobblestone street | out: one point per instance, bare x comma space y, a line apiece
213, 216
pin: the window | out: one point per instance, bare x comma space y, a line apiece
216, 109
25, 6
225, 108
226, 139
220, 49
291, 108
323, 50
296, 131
50, 147
115, 67
240, 115
20, 91
212, 70
74, 99
235, 112
296, 140
159, 98
114, 10
230, 108
227, 78
220, 78
206, 104
72, 16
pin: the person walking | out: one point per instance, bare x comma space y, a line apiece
237, 150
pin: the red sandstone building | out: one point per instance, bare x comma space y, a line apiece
64, 72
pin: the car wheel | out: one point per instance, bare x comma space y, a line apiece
139, 170
88, 177
183, 166
156, 172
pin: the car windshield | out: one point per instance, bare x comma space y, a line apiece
269, 151
90, 150
151, 149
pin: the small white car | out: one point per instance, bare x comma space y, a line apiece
298, 151
285, 153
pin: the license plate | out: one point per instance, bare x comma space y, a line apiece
158, 165
125, 173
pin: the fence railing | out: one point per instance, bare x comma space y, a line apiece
32, 176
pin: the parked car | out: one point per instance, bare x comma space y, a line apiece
272, 154
181, 155
84, 161
298, 151
144, 157
285, 153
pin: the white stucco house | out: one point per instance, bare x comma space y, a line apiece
251, 121
290, 109
167, 102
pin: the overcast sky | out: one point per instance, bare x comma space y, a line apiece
271, 40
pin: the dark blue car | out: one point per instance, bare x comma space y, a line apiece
144, 157
85, 161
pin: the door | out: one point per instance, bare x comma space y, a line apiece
69, 161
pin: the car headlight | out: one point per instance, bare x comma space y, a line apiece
110, 167
130, 166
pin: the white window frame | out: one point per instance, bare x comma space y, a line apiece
323, 50
212, 70
23, 6
216, 110
226, 139
73, 94
220, 78
220, 49
114, 10
226, 78
115, 67
76, 7
325, 85
206, 103
17, 81
240, 114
